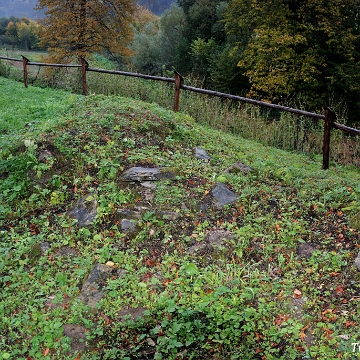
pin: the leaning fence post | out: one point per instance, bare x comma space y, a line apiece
84, 66
178, 82
329, 120
25, 62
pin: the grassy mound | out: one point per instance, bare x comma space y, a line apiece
279, 282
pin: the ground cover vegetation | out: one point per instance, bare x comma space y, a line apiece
171, 291
282, 130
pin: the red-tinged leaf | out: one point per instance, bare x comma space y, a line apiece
107, 320
46, 352
166, 281
78, 357
280, 319
297, 294
334, 274
339, 289
328, 333
325, 316
349, 323
302, 335
150, 263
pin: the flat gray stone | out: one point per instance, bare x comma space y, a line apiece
91, 291
76, 333
216, 237
131, 313
84, 211
239, 167
128, 225
223, 195
200, 153
144, 174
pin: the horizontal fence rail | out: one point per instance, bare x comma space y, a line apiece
329, 116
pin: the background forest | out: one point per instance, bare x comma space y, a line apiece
304, 54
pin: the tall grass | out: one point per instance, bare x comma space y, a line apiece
282, 130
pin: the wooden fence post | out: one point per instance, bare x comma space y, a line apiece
84, 66
178, 82
329, 120
25, 62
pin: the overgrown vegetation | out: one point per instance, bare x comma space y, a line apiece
282, 130
170, 294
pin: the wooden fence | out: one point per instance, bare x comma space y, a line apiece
329, 116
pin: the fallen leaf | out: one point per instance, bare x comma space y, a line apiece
46, 352
297, 294
349, 323
339, 289
280, 319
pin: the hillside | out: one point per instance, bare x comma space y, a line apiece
156, 6
26, 8
20, 8
129, 231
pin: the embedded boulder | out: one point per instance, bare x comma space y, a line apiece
91, 291
239, 167
200, 153
223, 195
141, 174
84, 211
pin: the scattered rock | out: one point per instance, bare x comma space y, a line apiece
223, 195
357, 262
131, 313
44, 155
216, 237
239, 167
305, 250
167, 215
91, 291
297, 309
200, 153
128, 225
144, 174
84, 211
213, 239
66, 251
76, 333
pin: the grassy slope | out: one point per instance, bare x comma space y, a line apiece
238, 300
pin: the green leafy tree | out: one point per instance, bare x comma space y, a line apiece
28, 34
203, 25
158, 42
306, 49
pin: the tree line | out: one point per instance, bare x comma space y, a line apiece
21, 33
297, 53
300, 53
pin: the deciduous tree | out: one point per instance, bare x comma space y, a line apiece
81, 27
289, 48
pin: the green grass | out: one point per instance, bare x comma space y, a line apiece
234, 301
22, 110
